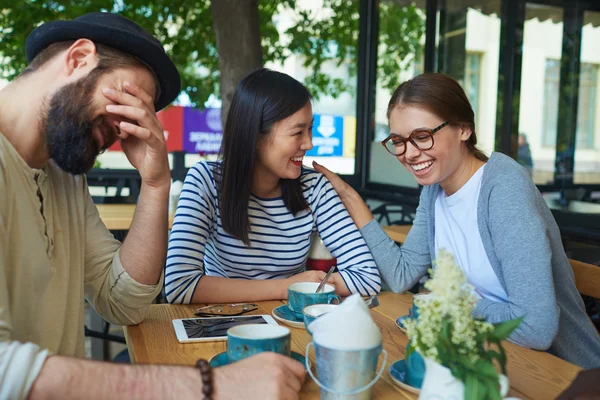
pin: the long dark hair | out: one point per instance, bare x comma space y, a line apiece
442, 96
260, 100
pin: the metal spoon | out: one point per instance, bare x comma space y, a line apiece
322, 285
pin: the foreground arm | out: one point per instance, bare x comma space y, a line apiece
109, 287
122, 282
144, 250
266, 376
214, 289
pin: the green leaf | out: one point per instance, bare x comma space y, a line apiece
504, 329
486, 369
474, 389
493, 390
502, 360
409, 351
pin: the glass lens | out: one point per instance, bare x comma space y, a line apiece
423, 139
395, 145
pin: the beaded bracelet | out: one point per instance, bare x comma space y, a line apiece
206, 374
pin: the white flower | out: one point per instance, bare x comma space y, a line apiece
452, 299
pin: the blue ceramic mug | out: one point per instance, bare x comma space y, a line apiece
302, 294
247, 340
414, 311
315, 311
415, 368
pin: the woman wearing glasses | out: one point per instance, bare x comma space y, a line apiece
243, 225
487, 212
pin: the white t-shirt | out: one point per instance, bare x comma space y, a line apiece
456, 230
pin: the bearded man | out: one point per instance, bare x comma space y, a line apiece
90, 82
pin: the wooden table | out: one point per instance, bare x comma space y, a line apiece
118, 217
397, 233
533, 374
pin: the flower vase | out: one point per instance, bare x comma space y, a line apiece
439, 383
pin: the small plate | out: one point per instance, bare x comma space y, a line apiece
400, 322
285, 315
397, 372
220, 359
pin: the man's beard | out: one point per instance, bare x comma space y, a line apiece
68, 126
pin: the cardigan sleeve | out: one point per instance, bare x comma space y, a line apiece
401, 266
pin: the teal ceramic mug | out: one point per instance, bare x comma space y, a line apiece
315, 311
415, 368
247, 340
302, 294
414, 311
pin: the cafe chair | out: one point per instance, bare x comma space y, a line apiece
107, 337
587, 278
587, 281
393, 214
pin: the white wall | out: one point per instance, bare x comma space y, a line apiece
483, 36
588, 160
542, 41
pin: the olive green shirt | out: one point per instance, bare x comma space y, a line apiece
54, 252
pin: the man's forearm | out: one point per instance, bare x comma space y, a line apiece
144, 251
68, 378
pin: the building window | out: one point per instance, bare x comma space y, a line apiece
472, 78
550, 102
586, 110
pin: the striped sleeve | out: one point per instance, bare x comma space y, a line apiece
342, 238
194, 218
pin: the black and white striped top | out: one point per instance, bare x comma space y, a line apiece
279, 241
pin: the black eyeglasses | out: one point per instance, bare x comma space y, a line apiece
421, 138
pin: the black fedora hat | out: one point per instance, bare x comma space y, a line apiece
118, 32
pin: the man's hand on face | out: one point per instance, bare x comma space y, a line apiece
142, 139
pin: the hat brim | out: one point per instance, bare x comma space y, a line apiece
60, 31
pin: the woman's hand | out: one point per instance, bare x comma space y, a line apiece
335, 280
307, 276
340, 286
357, 208
344, 191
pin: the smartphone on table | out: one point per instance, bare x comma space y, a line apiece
208, 329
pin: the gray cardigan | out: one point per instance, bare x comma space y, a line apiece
523, 245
